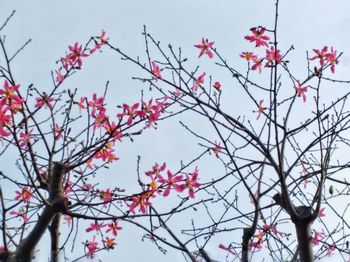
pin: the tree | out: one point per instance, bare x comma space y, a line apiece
289, 166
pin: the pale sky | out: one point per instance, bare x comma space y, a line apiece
53, 25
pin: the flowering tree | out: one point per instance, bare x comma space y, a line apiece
283, 166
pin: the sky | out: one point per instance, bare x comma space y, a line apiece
53, 25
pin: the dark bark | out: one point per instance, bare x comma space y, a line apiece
24, 251
54, 233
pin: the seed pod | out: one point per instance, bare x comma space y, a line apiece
331, 190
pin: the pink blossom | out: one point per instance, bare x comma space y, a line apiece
258, 37
191, 182
205, 47
229, 249
300, 90
171, 183
156, 71
260, 109
198, 82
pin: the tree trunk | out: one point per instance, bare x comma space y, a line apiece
304, 241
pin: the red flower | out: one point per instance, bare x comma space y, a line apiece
205, 47
301, 91
258, 37
217, 86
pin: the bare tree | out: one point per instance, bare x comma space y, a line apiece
283, 167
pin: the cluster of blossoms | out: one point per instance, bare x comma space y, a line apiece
161, 185
149, 110
273, 57
111, 229
10, 104
73, 59
257, 243
260, 39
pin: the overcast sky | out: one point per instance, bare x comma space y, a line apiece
52, 25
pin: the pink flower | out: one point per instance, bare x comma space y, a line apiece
320, 54
258, 37
300, 91
76, 54
330, 250
272, 56
129, 111
58, 132
260, 109
92, 247
96, 104
24, 195
81, 103
44, 100
114, 228
141, 201
20, 214
191, 182
24, 138
217, 86
317, 236
95, 227
257, 64
156, 71
248, 56
258, 243
217, 148
272, 229
171, 182
321, 213
59, 76
9, 95
331, 58
229, 249
197, 82
156, 169
205, 47
106, 196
